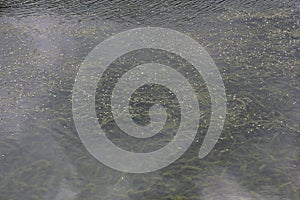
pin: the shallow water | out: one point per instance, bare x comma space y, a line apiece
255, 45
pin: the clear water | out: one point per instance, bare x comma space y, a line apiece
255, 44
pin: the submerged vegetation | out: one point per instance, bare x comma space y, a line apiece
257, 156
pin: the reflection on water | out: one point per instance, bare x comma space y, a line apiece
255, 44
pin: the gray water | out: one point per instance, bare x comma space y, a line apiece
255, 45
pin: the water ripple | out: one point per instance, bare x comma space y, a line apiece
136, 10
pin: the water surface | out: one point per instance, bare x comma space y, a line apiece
255, 45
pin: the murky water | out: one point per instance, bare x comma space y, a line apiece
255, 45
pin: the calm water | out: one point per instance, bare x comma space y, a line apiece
255, 45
